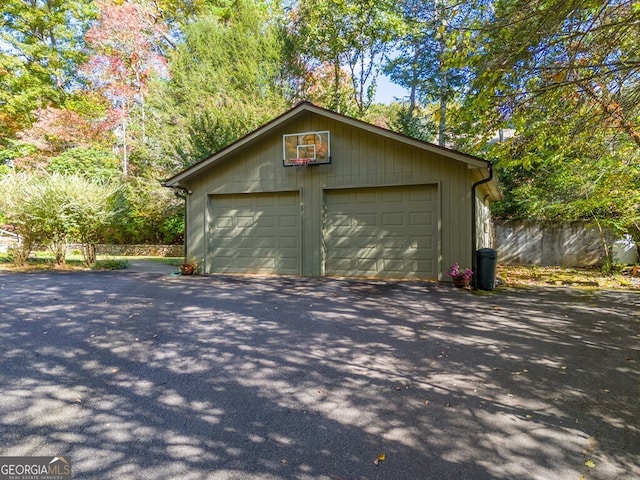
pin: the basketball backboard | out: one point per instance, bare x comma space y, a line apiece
312, 147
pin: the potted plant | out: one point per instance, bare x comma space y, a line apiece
188, 266
461, 277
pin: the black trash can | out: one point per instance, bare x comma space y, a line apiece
486, 261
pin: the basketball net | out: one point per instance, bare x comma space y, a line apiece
300, 163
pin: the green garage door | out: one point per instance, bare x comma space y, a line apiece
255, 233
384, 232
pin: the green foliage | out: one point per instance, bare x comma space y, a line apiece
564, 76
423, 64
50, 209
19, 196
88, 162
15, 149
147, 212
356, 35
225, 81
110, 264
40, 49
560, 171
414, 122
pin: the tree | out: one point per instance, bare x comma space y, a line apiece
57, 130
587, 50
355, 35
87, 162
89, 209
225, 81
422, 65
50, 209
559, 170
319, 86
126, 52
41, 46
19, 194
564, 76
147, 212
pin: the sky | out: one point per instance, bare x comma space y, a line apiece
387, 92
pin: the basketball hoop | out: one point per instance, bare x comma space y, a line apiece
300, 163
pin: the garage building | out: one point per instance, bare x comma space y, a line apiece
317, 193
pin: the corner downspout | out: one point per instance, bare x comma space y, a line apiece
474, 229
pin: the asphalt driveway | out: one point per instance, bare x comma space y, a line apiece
139, 375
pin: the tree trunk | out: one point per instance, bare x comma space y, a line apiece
336, 86
442, 125
59, 250
89, 254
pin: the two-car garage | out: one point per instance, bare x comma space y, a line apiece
380, 232
317, 193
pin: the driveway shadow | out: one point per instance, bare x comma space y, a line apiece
147, 376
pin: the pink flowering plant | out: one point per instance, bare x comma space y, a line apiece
457, 272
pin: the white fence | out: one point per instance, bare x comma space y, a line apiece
567, 244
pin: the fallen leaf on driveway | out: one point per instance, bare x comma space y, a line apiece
590, 463
380, 458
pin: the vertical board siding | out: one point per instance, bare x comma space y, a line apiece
359, 159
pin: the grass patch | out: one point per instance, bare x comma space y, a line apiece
75, 261
111, 264
622, 278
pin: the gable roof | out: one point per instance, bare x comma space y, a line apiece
299, 110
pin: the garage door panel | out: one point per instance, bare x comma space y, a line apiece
243, 262
369, 197
423, 242
421, 219
390, 196
425, 265
337, 219
244, 221
394, 265
289, 264
255, 233
289, 201
393, 218
224, 222
288, 221
365, 219
266, 221
239, 202
288, 242
386, 232
266, 242
264, 264
419, 196
367, 265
